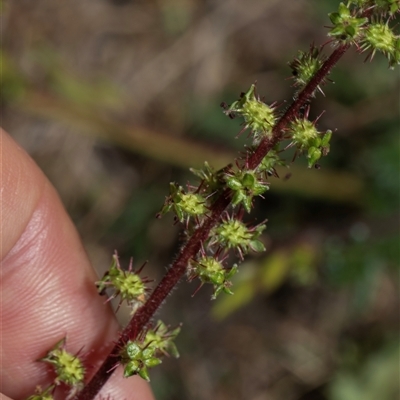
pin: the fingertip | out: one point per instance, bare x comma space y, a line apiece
132, 388
22, 184
4, 397
47, 285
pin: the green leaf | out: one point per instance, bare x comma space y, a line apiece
249, 180
314, 154
335, 18
247, 203
234, 183
144, 374
350, 30
257, 246
343, 10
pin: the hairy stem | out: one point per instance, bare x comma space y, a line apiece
191, 248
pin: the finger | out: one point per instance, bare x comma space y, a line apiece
47, 284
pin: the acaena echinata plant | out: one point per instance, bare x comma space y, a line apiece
213, 212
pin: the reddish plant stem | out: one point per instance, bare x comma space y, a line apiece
144, 314
191, 248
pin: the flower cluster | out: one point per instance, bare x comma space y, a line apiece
306, 138
269, 162
211, 270
232, 233
347, 27
68, 368
245, 184
360, 22
126, 283
211, 181
384, 7
184, 204
380, 37
306, 65
363, 23
259, 118
146, 352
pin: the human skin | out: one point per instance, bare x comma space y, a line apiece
46, 286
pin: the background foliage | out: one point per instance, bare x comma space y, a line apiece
116, 98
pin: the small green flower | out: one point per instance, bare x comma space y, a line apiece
211, 180
161, 339
245, 185
137, 360
313, 155
46, 394
268, 163
126, 284
306, 65
379, 37
258, 116
68, 367
303, 132
234, 234
138, 356
210, 270
347, 27
306, 137
185, 205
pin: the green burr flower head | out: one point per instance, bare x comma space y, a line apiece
380, 37
68, 367
346, 27
306, 65
138, 356
126, 283
210, 270
192, 204
307, 139
161, 339
234, 234
258, 116
303, 132
184, 204
137, 360
245, 185
210, 179
269, 162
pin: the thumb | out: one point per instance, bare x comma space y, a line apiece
47, 285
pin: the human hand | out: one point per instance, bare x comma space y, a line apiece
47, 286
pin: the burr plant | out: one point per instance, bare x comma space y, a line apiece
213, 212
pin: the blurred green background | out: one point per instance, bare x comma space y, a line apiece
116, 98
